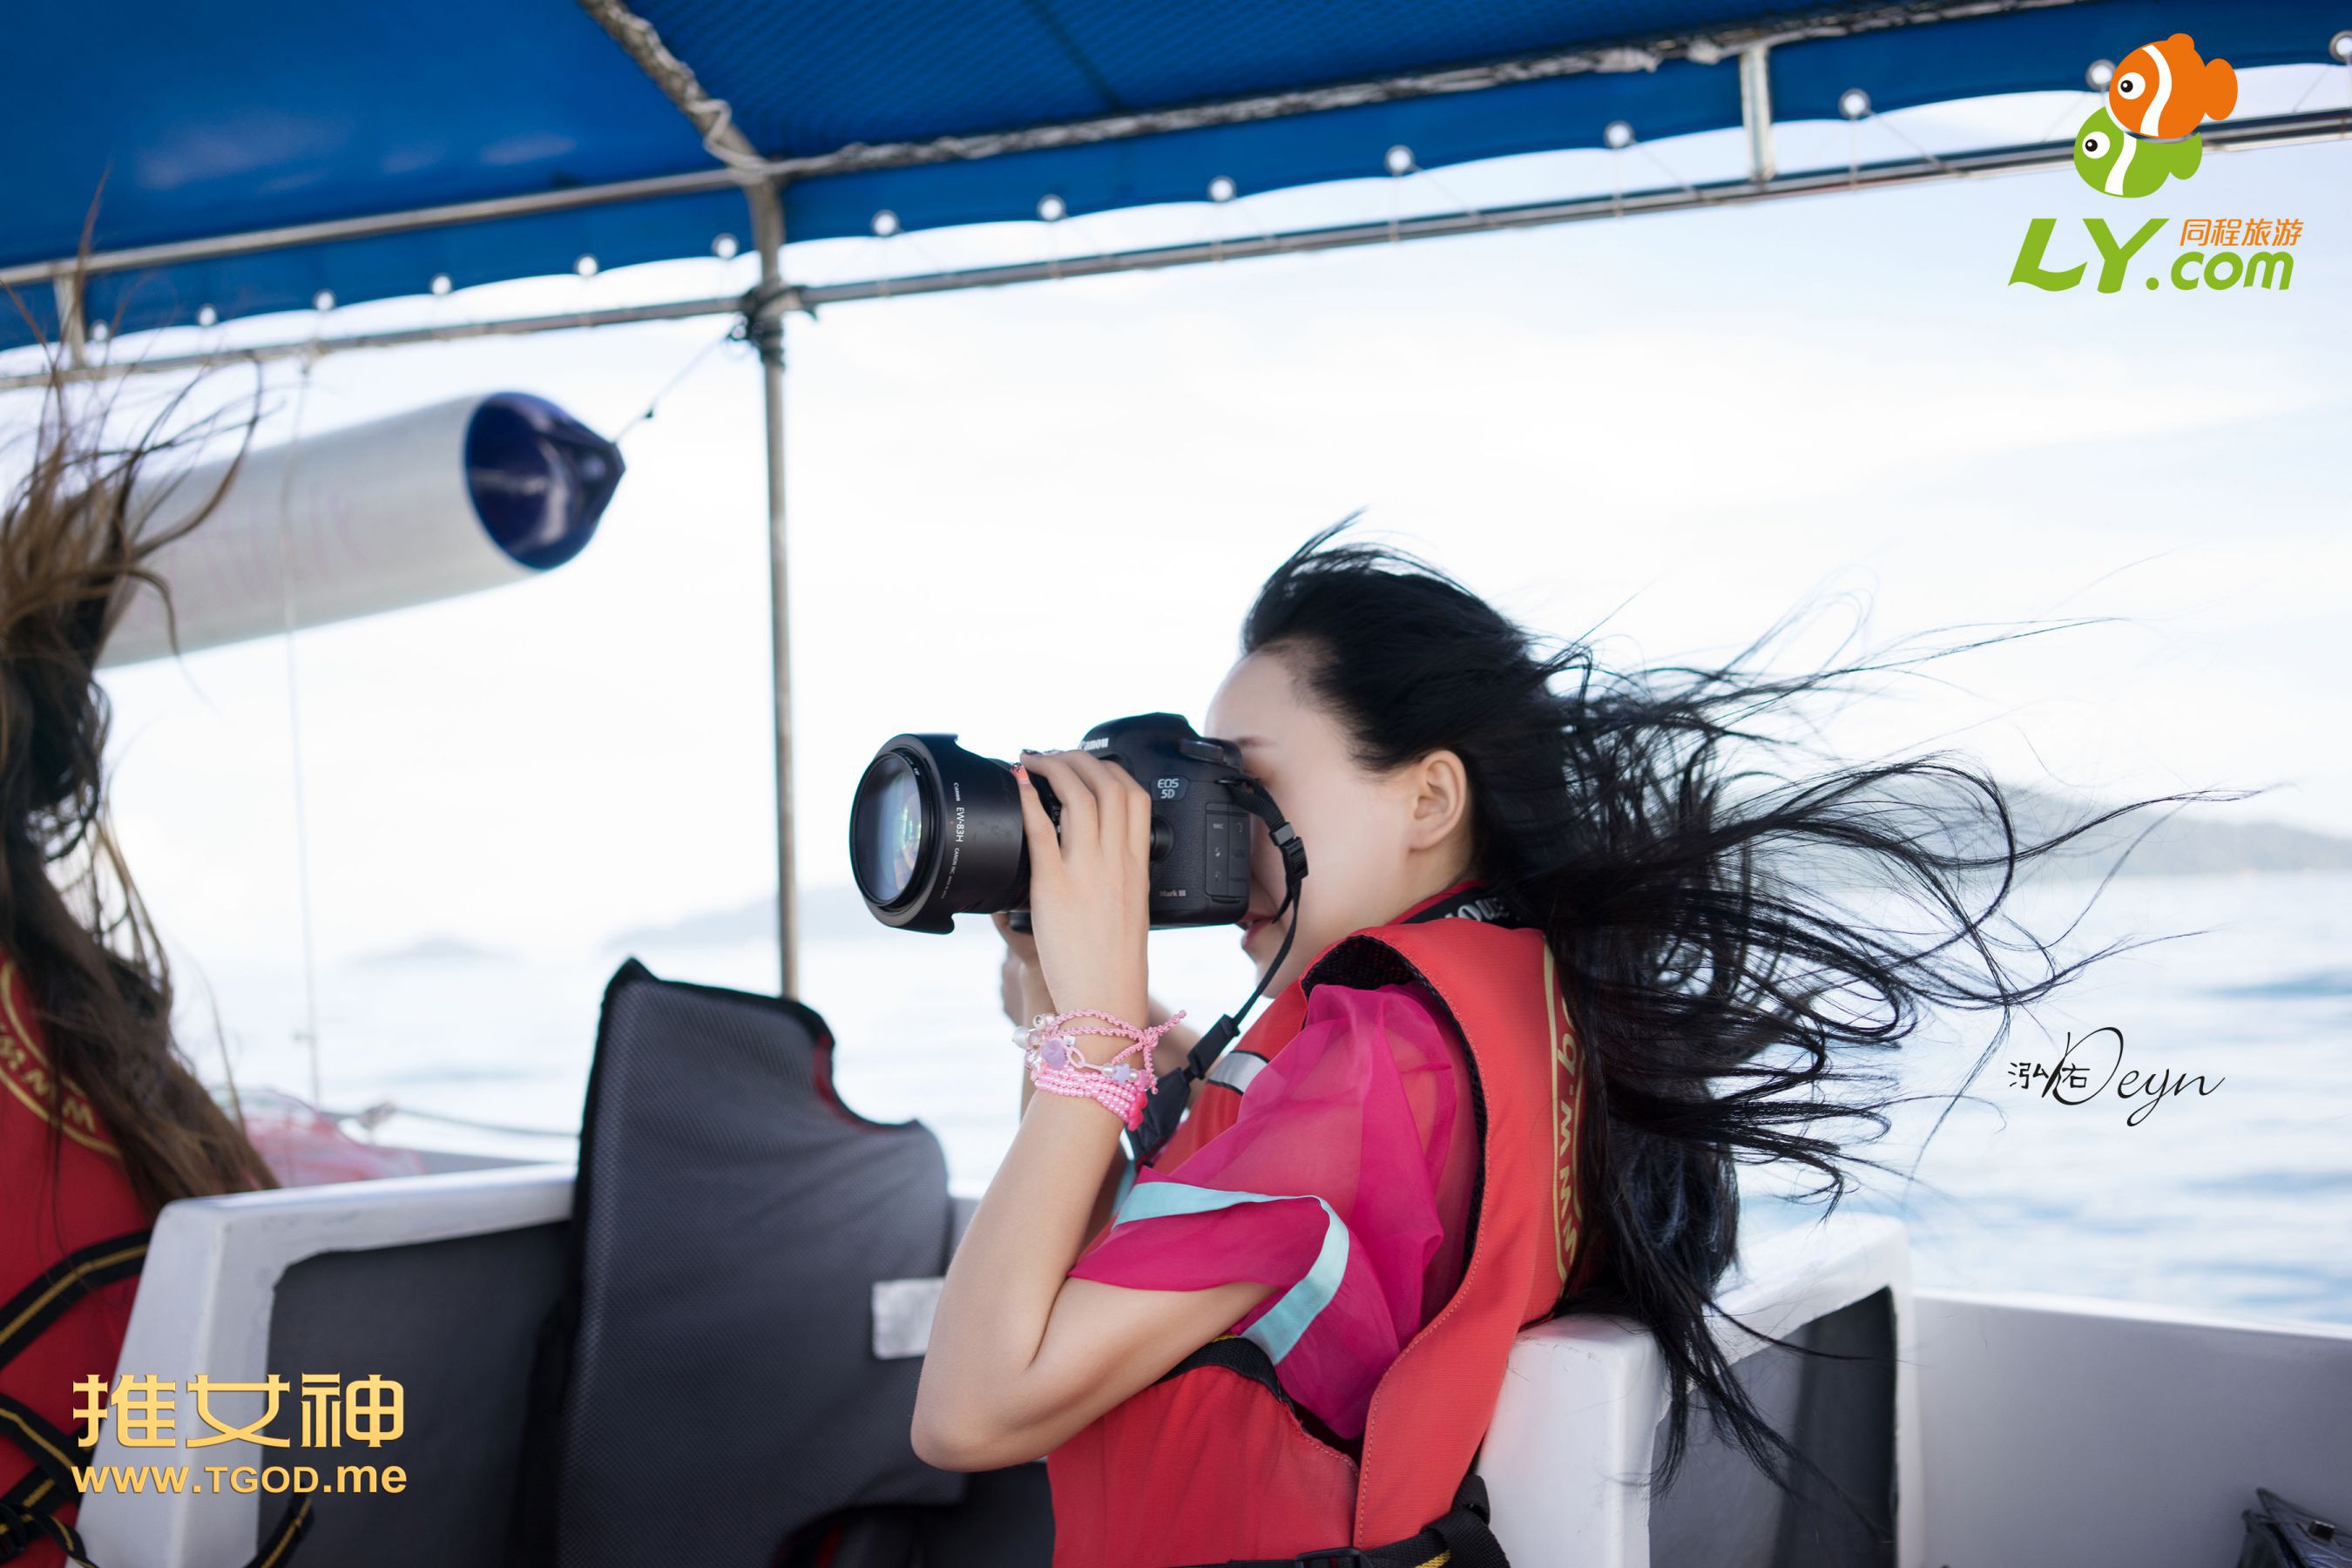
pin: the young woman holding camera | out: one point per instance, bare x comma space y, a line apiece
1571, 952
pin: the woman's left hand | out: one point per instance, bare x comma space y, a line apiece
1090, 888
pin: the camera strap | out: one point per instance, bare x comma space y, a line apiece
1164, 1109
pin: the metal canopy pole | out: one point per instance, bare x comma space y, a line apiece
70, 323
1756, 111
763, 323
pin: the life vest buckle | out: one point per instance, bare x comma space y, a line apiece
16, 1534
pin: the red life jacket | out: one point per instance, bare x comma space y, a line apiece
72, 1243
1220, 1425
69, 1257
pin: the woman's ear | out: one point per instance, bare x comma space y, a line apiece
1439, 803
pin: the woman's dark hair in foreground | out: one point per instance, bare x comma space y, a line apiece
70, 546
1700, 904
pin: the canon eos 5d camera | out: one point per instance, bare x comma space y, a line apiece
935, 831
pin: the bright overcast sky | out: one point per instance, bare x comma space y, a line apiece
1017, 512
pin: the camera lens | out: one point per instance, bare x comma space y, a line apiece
935, 832
888, 828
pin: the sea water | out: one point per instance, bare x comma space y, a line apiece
2231, 1192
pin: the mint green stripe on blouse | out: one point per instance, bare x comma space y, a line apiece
1288, 1318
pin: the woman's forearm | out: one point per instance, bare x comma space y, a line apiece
1001, 1287
1167, 1056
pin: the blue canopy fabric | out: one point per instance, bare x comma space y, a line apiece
253, 114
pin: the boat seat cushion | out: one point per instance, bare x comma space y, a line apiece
710, 1384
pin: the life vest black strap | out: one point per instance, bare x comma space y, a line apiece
54, 1453
1248, 1358
64, 1282
28, 1510
21, 1528
1473, 902
1462, 1538
292, 1526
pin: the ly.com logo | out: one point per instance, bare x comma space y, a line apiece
2158, 97
2145, 136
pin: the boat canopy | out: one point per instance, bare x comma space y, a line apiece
264, 155
181, 164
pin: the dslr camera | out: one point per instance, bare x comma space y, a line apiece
935, 830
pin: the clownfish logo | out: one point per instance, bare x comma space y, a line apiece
2141, 138
2145, 134
2164, 90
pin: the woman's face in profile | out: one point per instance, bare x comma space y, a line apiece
1354, 823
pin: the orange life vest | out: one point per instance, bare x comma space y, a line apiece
1219, 1426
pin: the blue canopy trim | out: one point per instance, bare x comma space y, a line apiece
273, 112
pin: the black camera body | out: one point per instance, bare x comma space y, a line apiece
935, 830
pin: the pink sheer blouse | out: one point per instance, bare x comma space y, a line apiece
1345, 1184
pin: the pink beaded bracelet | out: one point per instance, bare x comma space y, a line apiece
1056, 1066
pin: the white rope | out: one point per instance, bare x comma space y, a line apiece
2074, 105
1221, 233
1464, 204
310, 1035
733, 332
1651, 153
384, 1111
2324, 73
712, 116
1878, 118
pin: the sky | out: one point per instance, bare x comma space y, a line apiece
1016, 512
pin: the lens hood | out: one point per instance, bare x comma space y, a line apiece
935, 832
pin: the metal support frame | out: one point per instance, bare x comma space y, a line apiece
764, 321
70, 323
1756, 111
739, 158
2275, 131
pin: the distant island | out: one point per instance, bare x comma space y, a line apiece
831, 911
2193, 840
433, 950
2198, 840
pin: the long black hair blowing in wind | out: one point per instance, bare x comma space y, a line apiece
1700, 898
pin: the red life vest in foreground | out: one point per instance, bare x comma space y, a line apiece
1219, 1426
72, 1243
70, 1249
